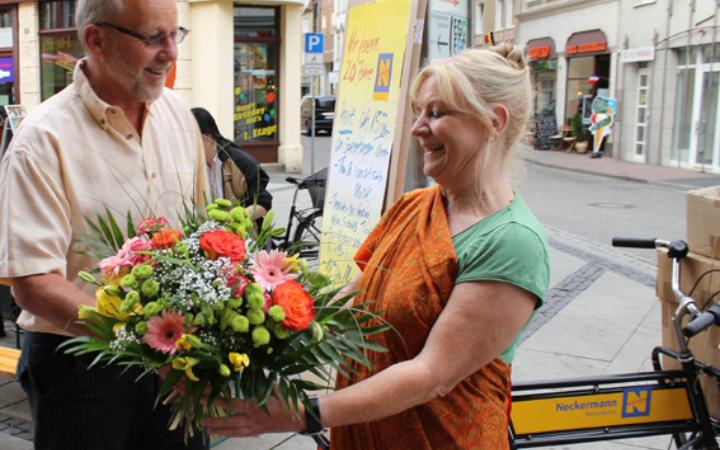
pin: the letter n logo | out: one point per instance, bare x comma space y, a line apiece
636, 401
383, 75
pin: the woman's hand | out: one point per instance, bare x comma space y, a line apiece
248, 419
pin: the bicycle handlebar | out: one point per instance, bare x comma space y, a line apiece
703, 320
676, 249
699, 320
634, 242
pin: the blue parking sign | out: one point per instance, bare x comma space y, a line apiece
314, 43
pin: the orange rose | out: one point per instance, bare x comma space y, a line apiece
223, 243
166, 238
299, 309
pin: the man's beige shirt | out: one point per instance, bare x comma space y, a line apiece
75, 155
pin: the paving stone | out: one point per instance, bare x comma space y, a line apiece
11, 393
20, 410
8, 442
284, 441
599, 321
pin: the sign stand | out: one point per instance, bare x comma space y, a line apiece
14, 114
314, 49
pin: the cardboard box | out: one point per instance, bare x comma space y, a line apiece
703, 221
704, 345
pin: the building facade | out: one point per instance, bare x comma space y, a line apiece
571, 47
659, 58
240, 62
669, 83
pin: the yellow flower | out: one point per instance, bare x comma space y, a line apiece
117, 327
239, 361
186, 364
109, 305
184, 343
85, 312
138, 309
291, 263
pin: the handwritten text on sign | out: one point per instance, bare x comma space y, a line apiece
363, 131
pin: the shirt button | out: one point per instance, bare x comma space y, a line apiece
153, 175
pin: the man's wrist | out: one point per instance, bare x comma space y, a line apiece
313, 421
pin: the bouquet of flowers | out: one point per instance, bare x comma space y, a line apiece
221, 315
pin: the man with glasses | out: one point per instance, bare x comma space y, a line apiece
114, 138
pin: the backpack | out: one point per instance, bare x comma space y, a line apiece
233, 180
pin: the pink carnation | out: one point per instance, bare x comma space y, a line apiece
163, 331
150, 225
126, 258
267, 269
237, 282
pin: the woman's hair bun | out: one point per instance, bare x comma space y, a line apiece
511, 54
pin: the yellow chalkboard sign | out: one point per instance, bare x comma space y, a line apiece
366, 126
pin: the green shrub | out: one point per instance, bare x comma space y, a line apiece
577, 128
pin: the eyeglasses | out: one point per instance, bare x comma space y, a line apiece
153, 41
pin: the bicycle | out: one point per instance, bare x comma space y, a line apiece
304, 227
622, 406
661, 402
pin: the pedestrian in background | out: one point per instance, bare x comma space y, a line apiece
114, 138
233, 174
456, 269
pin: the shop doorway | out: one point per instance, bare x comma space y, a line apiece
588, 76
704, 146
697, 124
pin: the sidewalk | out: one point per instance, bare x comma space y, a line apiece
591, 287
607, 166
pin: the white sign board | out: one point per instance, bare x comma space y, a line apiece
639, 54
313, 58
314, 69
6, 37
447, 28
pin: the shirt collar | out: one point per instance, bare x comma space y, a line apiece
99, 109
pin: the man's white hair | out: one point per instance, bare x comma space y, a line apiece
88, 12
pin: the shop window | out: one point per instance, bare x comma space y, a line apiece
257, 48
683, 113
7, 58
578, 89
479, 17
710, 53
60, 47
641, 118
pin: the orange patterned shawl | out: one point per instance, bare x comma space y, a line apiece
409, 268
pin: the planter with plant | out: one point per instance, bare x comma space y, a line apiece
579, 133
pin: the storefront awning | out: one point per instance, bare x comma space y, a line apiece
586, 42
541, 48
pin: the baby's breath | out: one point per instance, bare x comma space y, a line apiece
123, 338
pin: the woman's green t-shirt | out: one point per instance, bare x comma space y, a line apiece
509, 246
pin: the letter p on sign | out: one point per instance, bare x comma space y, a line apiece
314, 43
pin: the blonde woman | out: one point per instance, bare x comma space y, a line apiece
457, 269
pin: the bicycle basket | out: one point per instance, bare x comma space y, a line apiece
315, 184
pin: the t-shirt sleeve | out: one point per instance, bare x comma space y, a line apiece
516, 255
36, 234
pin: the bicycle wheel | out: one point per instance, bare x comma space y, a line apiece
306, 240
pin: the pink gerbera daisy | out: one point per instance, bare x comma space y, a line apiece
163, 331
267, 268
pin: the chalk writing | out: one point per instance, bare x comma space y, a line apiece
363, 130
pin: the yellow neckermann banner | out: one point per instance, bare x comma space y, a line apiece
633, 405
363, 130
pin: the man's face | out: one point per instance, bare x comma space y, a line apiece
140, 66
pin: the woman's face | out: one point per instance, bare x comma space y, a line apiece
210, 147
451, 141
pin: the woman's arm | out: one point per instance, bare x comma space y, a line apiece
479, 321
